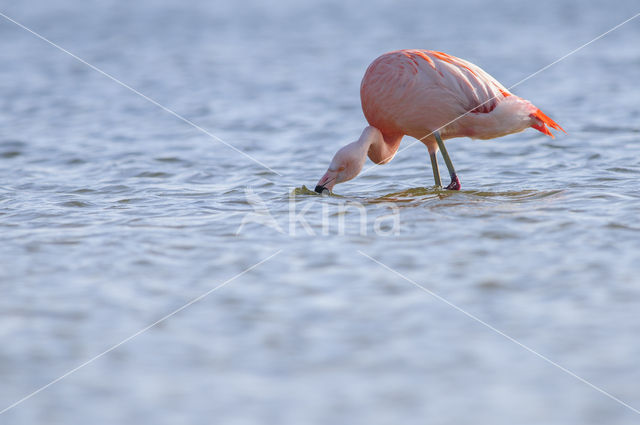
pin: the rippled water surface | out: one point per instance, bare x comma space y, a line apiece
115, 213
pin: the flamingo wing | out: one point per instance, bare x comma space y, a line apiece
400, 86
416, 92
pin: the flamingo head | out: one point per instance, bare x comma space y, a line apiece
345, 165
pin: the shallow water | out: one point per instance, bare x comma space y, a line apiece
113, 213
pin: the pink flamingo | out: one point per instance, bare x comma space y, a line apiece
431, 96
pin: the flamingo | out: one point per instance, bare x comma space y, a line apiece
431, 96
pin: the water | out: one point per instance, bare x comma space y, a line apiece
113, 213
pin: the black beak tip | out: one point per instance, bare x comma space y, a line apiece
319, 189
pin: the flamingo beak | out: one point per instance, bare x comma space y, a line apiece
327, 182
320, 189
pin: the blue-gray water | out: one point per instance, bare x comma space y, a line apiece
113, 213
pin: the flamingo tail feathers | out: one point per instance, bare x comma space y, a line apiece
543, 122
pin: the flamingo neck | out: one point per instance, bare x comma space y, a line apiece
377, 149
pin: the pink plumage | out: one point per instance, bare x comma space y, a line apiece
431, 96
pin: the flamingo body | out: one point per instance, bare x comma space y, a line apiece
416, 92
431, 96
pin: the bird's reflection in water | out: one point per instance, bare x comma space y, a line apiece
432, 193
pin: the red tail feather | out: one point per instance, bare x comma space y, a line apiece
541, 127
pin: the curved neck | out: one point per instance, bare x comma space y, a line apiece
378, 150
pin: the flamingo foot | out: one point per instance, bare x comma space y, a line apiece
455, 183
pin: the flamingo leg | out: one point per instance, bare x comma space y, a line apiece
455, 182
436, 171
